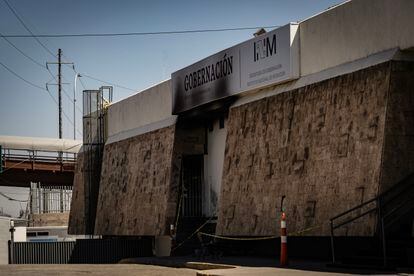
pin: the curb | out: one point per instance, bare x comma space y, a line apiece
206, 266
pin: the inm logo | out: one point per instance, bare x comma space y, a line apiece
264, 48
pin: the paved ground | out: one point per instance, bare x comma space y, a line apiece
255, 265
81, 270
151, 270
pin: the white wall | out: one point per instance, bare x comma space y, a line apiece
355, 30
4, 238
213, 167
20, 234
346, 38
145, 108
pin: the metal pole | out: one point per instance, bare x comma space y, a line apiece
77, 75
383, 240
60, 90
12, 241
384, 243
74, 108
61, 199
332, 243
1, 160
39, 192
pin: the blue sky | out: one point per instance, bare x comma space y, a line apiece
135, 62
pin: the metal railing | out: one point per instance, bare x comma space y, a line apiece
37, 156
40, 252
388, 205
81, 251
49, 199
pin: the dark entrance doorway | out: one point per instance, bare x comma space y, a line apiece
192, 185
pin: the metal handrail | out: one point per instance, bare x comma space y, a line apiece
380, 201
354, 208
355, 218
372, 200
38, 158
398, 208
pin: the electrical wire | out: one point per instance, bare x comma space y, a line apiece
44, 67
8, 197
40, 65
107, 82
36, 36
141, 33
50, 52
38, 87
103, 81
81, 82
65, 92
27, 56
27, 28
20, 77
15, 165
23, 53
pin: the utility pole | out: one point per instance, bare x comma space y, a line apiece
59, 84
60, 90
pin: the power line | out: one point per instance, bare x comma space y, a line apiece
44, 67
50, 52
10, 198
65, 92
141, 33
103, 81
38, 64
32, 59
63, 112
40, 43
27, 28
38, 87
36, 36
81, 82
107, 82
23, 53
6, 196
20, 77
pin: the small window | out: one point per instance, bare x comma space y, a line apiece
43, 233
210, 127
31, 234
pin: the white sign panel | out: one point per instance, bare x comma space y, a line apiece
264, 60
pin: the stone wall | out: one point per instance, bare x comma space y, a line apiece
320, 146
398, 159
77, 223
135, 190
50, 219
85, 191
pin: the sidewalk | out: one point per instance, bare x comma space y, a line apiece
188, 266
251, 266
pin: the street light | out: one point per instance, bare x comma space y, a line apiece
77, 75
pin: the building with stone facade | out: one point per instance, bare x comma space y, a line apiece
319, 112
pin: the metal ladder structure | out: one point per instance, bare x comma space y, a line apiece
95, 103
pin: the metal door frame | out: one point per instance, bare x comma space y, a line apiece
193, 198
